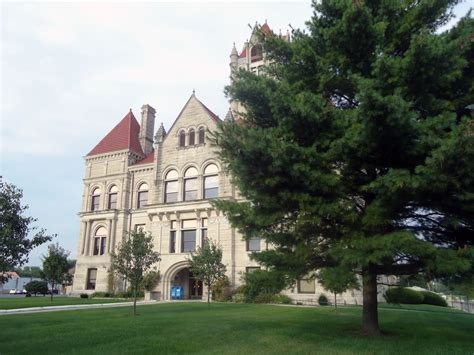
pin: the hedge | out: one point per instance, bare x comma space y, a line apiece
401, 295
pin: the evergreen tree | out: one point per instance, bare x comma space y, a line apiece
356, 149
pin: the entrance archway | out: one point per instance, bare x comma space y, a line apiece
179, 275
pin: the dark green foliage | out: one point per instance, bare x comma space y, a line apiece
150, 280
55, 266
357, 150
206, 265
100, 295
221, 290
338, 280
15, 229
281, 299
401, 295
433, 299
35, 287
323, 300
84, 295
264, 283
134, 258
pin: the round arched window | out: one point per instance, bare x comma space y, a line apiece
171, 186
211, 181
190, 184
95, 199
182, 139
142, 200
113, 192
100, 241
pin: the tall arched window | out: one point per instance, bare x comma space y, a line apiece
192, 136
190, 184
112, 203
182, 139
142, 199
100, 241
202, 135
171, 186
211, 181
95, 199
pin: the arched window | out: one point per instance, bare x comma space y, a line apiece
171, 186
112, 203
100, 240
202, 134
211, 181
182, 139
192, 137
95, 199
190, 184
142, 195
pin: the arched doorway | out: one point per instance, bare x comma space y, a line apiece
179, 275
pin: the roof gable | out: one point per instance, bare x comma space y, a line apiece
123, 136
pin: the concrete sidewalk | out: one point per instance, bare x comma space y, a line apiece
71, 307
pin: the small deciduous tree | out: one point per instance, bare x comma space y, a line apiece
338, 280
134, 257
150, 280
206, 265
14, 230
55, 266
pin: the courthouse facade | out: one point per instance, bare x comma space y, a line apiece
163, 182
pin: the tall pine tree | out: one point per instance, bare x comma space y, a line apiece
356, 150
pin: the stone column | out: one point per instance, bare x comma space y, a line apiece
87, 238
109, 235
113, 234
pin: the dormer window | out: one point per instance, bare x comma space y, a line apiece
192, 136
142, 200
112, 203
95, 199
182, 139
202, 134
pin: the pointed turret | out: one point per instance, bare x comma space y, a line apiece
160, 134
229, 116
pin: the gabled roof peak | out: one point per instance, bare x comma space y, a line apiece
123, 136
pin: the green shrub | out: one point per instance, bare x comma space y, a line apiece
35, 287
84, 295
150, 280
400, 295
264, 298
323, 300
98, 294
238, 298
281, 299
261, 282
433, 299
221, 291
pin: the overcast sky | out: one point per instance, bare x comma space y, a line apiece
71, 71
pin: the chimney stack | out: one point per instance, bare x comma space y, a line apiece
147, 128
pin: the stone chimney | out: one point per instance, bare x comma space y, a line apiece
147, 128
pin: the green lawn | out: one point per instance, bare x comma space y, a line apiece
40, 301
234, 329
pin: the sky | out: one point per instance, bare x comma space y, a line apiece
69, 72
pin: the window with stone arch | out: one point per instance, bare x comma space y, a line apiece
211, 181
202, 135
182, 139
112, 201
95, 199
142, 198
192, 137
171, 186
190, 184
100, 241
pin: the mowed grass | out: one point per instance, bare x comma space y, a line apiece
234, 329
40, 301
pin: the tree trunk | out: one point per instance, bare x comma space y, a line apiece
335, 301
135, 300
208, 295
52, 288
370, 321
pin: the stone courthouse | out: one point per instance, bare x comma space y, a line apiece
162, 181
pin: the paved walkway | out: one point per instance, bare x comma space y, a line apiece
71, 307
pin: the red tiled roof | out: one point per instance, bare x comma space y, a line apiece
265, 28
150, 158
244, 53
123, 136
